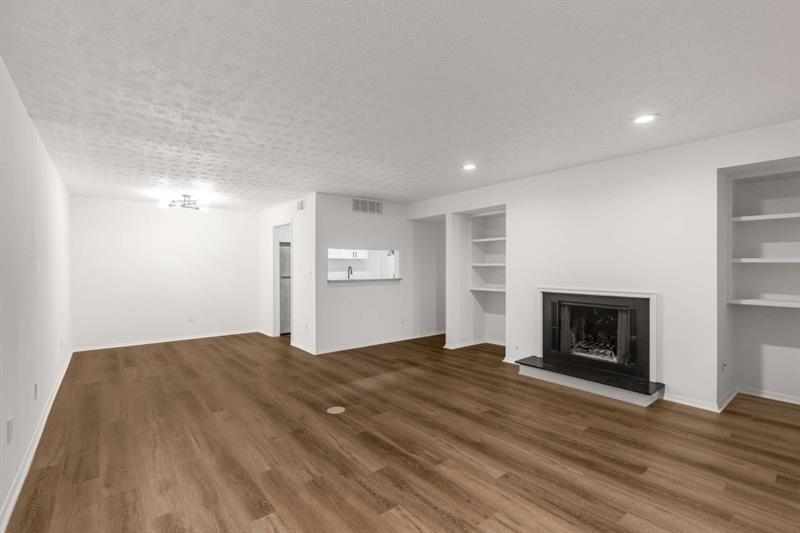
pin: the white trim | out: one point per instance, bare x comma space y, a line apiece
642, 400
690, 402
728, 398
301, 347
276, 271
22, 472
463, 344
771, 395
431, 334
166, 339
652, 296
345, 347
473, 342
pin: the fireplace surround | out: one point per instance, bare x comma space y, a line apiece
609, 333
598, 341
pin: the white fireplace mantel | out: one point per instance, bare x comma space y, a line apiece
655, 359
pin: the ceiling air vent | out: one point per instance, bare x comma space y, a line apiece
367, 206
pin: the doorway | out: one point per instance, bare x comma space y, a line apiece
283, 240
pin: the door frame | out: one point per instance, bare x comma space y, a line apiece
276, 278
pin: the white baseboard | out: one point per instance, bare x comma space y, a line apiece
691, 402
473, 342
27, 459
462, 344
165, 339
431, 334
301, 347
376, 342
728, 398
770, 395
497, 342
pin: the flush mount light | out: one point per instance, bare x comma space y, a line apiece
186, 202
469, 166
645, 119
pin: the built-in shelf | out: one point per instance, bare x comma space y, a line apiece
483, 314
490, 239
489, 214
758, 302
756, 218
488, 289
766, 259
761, 194
488, 264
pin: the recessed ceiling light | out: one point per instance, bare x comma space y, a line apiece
644, 119
469, 166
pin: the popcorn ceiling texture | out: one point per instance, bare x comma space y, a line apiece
254, 103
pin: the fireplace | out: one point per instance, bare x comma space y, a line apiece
605, 333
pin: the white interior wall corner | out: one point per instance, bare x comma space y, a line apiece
35, 322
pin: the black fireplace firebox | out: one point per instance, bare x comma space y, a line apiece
607, 333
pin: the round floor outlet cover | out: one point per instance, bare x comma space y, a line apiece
336, 410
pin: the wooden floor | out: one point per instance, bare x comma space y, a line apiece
231, 434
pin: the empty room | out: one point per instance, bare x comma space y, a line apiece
388, 266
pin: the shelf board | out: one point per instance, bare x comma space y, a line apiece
488, 264
489, 289
758, 302
777, 216
489, 214
490, 239
766, 260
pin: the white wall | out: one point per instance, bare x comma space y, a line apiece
766, 351
429, 276
284, 233
371, 312
34, 288
303, 237
143, 273
462, 324
645, 222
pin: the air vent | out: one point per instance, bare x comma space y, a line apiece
373, 207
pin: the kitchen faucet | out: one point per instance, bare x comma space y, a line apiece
349, 272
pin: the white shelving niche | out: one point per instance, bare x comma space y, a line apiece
765, 239
488, 274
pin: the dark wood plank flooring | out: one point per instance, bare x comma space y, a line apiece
231, 434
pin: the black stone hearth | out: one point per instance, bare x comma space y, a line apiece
603, 339
612, 379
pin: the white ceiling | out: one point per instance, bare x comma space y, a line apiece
259, 101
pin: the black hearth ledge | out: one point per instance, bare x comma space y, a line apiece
612, 379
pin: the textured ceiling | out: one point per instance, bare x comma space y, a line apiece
256, 102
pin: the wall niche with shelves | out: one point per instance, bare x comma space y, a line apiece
488, 274
765, 238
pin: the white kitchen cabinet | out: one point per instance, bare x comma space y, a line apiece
344, 253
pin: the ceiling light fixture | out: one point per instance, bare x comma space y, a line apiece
645, 119
469, 167
186, 202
